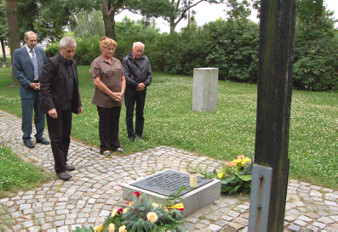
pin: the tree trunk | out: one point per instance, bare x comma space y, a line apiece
3, 50
172, 25
113, 29
14, 33
107, 20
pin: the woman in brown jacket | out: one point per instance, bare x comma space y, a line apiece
110, 85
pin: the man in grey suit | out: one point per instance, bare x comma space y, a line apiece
28, 62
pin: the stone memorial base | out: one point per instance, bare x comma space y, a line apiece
154, 187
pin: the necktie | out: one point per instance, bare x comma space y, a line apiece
35, 64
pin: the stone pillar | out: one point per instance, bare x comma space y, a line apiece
205, 86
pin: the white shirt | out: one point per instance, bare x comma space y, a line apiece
29, 51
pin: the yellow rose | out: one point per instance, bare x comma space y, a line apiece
125, 210
114, 212
220, 175
152, 217
123, 229
111, 227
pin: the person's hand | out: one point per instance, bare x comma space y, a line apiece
140, 87
52, 113
116, 96
79, 110
35, 86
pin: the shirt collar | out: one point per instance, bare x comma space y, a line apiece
28, 49
65, 61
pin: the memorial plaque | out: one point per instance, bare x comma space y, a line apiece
168, 181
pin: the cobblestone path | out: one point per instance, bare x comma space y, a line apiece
87, 199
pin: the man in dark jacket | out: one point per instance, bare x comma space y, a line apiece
60, 97
138, 76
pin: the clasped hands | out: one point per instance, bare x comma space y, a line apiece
35, 86
117, 96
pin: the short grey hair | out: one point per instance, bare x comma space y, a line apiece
67, 41
138, 44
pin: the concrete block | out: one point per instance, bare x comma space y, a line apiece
193, 200
205, 86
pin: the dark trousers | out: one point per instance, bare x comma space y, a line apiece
131, 97
27, 106
59, 130
109, 128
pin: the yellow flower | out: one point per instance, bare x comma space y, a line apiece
152, 217
114, 213
178, 206
111, 227
123, 229
125, 210
246, 161
98, 228
154, 205
131, 203
220, 175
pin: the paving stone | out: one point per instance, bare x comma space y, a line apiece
88, 198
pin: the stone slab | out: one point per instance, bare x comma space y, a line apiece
193, 200
168, 181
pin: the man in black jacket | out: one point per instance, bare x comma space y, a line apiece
137, 71
60, 97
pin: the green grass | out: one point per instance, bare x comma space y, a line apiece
16, 174
222, 134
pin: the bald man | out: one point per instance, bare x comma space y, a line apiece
28, 62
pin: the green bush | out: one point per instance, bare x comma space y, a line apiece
233, 48
316, 52
87, 49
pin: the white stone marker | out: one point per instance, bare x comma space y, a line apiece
205, 86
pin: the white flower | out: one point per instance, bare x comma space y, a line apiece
152, 217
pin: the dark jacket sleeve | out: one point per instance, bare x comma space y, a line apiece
127, 74
149, 76
18, 69
49, 72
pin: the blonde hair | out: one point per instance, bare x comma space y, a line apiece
106, 42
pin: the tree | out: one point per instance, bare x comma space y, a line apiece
180, 9
14, 35
88, 24
3, 27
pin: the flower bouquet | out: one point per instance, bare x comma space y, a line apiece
141, 214
235, 176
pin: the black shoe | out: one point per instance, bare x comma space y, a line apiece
42, 141
64, 176
28, 143
132, 139
69, 168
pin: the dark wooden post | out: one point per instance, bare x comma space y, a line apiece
277, 28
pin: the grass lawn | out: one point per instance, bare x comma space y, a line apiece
16, 174
222, 134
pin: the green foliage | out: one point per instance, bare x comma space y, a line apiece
16, 174
235, 176
86, 51
316, 49
88, 24
136, 217
233, 47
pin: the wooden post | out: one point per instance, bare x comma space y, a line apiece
277, 29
